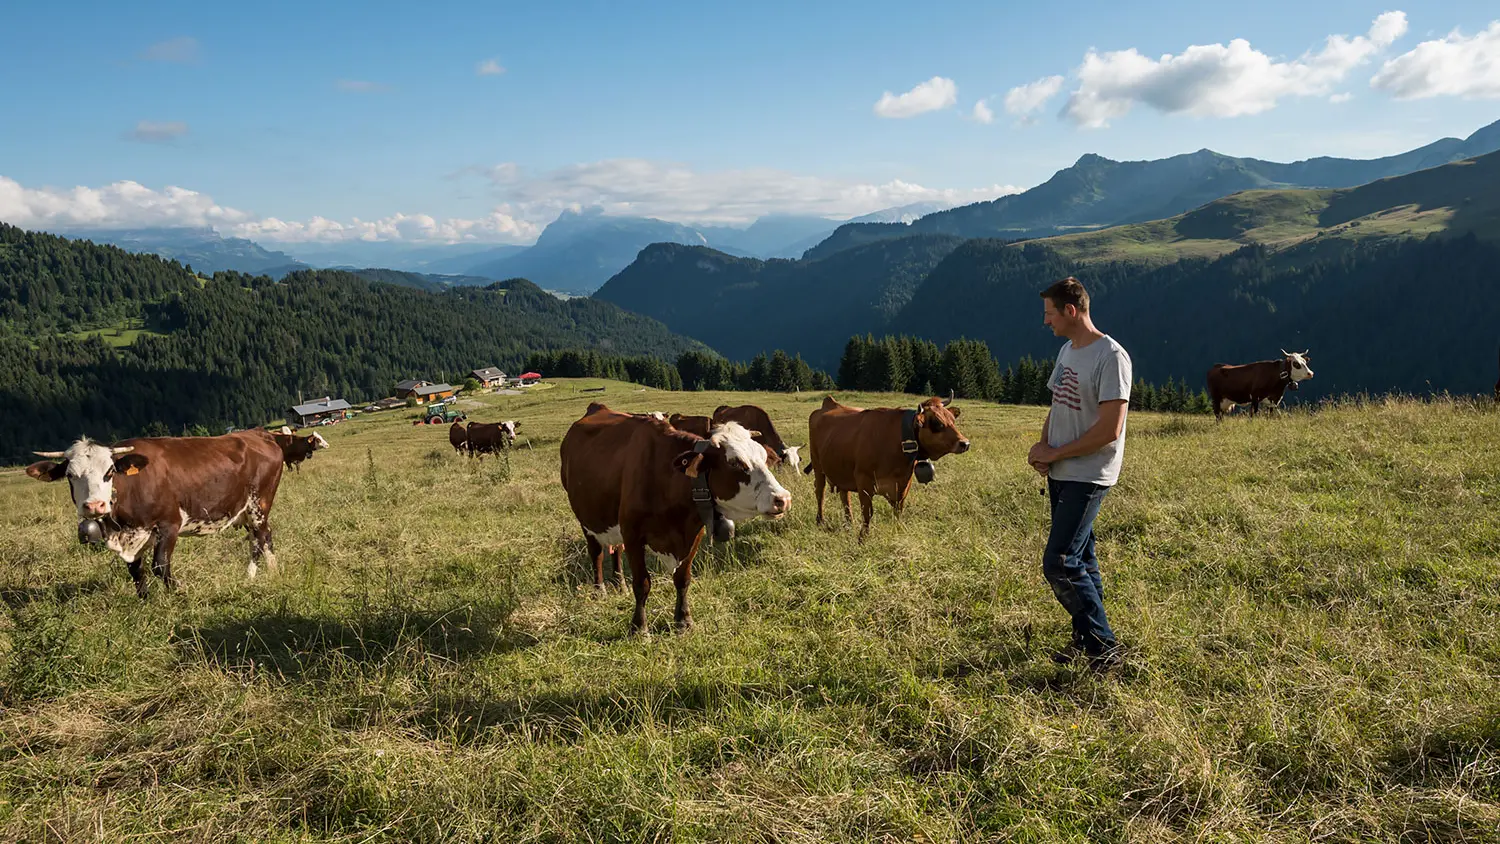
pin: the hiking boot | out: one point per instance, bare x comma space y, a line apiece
1073, 651
1107, 660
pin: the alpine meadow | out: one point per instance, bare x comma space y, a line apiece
1313, 617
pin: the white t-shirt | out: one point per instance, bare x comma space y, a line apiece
1081, 379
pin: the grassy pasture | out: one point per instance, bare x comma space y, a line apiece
118, 335
1311, 602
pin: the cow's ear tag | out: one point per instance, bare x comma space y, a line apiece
132, 470
692, 467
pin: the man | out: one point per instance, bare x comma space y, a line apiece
1082, 444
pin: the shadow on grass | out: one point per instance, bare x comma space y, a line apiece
16, 597
297, 646
572, 714
750, 549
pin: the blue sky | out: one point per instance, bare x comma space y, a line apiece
335, 120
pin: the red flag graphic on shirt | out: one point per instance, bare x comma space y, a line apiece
1066, 391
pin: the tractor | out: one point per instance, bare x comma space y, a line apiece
443, 414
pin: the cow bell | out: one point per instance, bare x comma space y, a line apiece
90, 532
925, 471
723, 529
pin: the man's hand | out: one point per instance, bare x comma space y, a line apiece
1041, 468
1041, 453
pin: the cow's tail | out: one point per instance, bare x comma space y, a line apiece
808, 469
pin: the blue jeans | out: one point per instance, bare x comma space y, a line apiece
1069, 563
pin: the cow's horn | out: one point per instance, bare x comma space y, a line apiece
1304, 354
1285, 353
949, 399
122, 449
52, 454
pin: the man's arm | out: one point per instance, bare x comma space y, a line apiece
1040, 465
1106, 430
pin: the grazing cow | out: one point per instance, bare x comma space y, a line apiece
295, 449
636, 481
876, 451
458, 437
794, 457
490, 437
753, 418
146, 492
1253, 383
700, 425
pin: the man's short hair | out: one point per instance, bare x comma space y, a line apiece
1068, 292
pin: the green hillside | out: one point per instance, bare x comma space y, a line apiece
811, 305
1451, 200
1097, 192
94, 338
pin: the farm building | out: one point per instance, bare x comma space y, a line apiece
386, 404
405, 388
489, 376
429, 392
317, 410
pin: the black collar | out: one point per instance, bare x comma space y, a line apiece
911, 445
703, 499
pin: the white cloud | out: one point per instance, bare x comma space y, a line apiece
361, 86
638, 187
128, 205
496, 227
932, 95
119, 205
1341, 98
181, 50
982, 113
524, 203
1022, 100
154, 132
1218, 80
1454, 66
488, 67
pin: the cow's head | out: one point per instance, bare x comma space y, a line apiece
738, 474
793, 457
317, 441
937, 428
1297, 368
508, 430
90, 469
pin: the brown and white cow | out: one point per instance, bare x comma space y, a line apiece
1253, 383
701, 425
491, 437
876, 451
636, 481
146, 492
753, 418
295, 449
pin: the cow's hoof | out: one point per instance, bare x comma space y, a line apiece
684, 624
